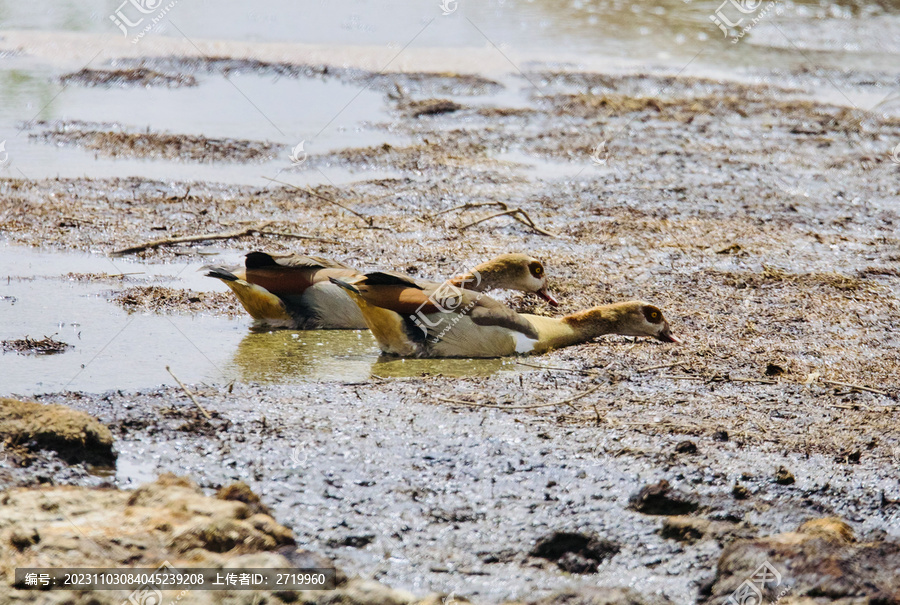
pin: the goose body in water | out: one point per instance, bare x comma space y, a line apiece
410, 320
296, 291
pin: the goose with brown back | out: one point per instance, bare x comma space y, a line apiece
296, 291
409, 320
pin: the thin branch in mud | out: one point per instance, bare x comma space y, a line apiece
469, 206
858, 387
169, 241
516, 213
189, 394
297, 236
664, 366
511, 408
557, 369
753, 380
367, 219
675, 377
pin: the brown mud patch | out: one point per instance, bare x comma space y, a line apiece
127, 77
160, 146
655, 84
424, 83
160, 299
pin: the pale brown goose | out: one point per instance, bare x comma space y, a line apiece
296, 291
412, 321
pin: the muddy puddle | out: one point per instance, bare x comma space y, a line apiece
97, 308
48, 126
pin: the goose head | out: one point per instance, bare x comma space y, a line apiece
633, 318
514, 271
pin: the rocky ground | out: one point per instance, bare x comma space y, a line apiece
762, 221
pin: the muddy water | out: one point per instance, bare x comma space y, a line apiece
609, 28
115, 349
284, 111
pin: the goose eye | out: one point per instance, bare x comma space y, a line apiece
653, 315
537, 269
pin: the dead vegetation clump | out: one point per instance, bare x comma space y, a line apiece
441, 156
685, 109
429, 107
424, 83
98, 277
773, 275
506, 112
31, 346
74, 435
158, 299
140, 76
181, 147
658, 84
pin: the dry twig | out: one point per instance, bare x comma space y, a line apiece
468, 206
858, 387
660, 367
367, 219
259, 228
557, 368
516, 213
168, 241
189, 394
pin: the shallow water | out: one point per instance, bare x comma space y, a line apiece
326, 114
114, 349
613, 28
286, 111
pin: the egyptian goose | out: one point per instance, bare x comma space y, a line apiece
295, 291
412, 321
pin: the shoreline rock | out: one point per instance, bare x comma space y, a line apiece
75, 436
821, 560
169, 520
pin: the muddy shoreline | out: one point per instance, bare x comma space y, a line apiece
765, 226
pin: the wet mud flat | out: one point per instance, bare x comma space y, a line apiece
763, 222
111, 140
393, 482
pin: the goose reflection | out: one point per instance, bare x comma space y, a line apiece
294, 356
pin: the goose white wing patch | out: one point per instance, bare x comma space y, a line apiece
332, 307
524, 345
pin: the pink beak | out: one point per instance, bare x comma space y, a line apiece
546, 296
667, 336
